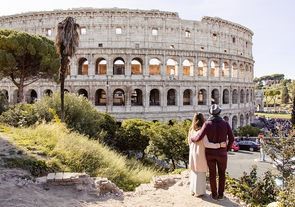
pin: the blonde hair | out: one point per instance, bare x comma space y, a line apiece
197, 123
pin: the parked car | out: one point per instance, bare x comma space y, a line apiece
235, 147
249, 145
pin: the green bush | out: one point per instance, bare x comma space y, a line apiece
69, 151
20, 115
287, 195
248, 131
3, 102
253, 190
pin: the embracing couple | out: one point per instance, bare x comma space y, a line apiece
209, 142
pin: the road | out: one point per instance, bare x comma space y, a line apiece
241, 161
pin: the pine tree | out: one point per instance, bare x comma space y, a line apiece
285, 95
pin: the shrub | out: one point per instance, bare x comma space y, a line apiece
3, 102
20, 115
71, 151
287, 195
248, 131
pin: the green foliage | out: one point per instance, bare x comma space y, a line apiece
20, 115
285, 95
287, 195
248, 131
3, 102
25, 58
253, 190
132, 136
73, 152
282, 152
169, 142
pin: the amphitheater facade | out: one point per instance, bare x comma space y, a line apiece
150, 64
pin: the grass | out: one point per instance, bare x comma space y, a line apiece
73, 152
275, 116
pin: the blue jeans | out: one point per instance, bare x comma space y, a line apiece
262, 154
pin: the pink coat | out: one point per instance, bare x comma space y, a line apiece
197, 159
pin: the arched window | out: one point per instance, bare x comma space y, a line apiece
101, 66
214, 69
83, 92
5, 93
247, 96
247, 119
202, 97
48, 92
225, 97
171, 97
136, 97
187, 97
225, 69
242, 120
31, 96
235, 96
171, 68
119, 97
215, 96
242, 70
234, 122
155, 97
234, 70
242, 96
136, 66
119, 66
154, 66
100, 97
83, 66
188, 68
202, 68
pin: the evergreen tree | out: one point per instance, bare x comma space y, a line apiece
285, 95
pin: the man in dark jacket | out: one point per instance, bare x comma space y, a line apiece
217, 131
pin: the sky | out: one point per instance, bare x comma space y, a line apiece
272, 21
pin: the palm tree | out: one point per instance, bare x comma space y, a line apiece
66, 43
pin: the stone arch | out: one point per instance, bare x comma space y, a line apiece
214, 68
154, 97
202, 68
225, 96
235, 96
242, 121
47, 92
119, 66
171, 97
5, 93
247, 119
247, 96
136, 97
154, 66
187, 97
226, 118
83, 66
31, 96
234, 70
225, 69
215, 96
242, 96
202, 97
100, 97
234, 122
136, 66
251, 95
242, 72
171, 68
187, 68
118, 97
83, 92
101, 66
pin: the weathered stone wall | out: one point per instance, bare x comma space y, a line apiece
221, 46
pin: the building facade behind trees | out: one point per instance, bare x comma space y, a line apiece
149, 64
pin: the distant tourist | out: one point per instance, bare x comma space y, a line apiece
261, 141
197, 159
218, 131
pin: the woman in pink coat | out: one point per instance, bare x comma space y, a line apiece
197, 159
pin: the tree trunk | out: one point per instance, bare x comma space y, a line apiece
173, 163
63, 68
20, 95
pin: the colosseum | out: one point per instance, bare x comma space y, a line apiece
150, 64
